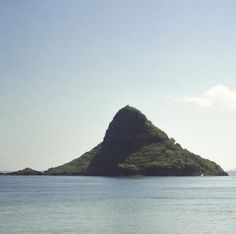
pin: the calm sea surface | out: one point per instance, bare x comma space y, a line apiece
117, 205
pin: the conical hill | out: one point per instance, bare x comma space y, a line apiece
134, 146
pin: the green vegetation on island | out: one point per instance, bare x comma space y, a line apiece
76, 167
134, 146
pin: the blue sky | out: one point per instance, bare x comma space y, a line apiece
66, 67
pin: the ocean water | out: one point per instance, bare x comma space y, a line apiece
98, 205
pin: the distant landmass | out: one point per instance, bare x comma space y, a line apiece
26, 171
134, 146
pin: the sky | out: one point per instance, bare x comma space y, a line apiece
67, 66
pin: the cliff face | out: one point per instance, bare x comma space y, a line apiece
128, 132
134, 146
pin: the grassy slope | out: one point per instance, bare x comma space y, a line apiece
77, 166
156, 159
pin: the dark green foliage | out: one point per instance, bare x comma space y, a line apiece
134, 146
158, 159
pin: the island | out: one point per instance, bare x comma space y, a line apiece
25, 172
134, 146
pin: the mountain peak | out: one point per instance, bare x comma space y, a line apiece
129, 108
130, 126
129, 113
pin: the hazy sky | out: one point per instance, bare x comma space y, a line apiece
66, 67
